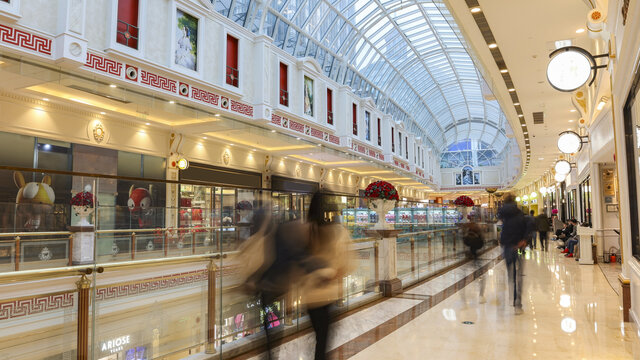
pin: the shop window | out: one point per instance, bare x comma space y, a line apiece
379, 136
399, 143
141, 166
367, 126
329, 106
127, 32
232, 72
354, 115
284, 85
393, 140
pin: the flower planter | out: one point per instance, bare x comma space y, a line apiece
382, 207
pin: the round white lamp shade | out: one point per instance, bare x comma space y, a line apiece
563, 167
560, 177
533, 195
543, 190
518, 199
569, 142
568, 69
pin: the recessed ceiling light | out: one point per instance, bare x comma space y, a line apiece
218, 115
297, 138
526, 132
580, 31
504, 71
230, 144
571, 120
540, 158
102, 113
45, 99
493, 46
147, 124
204, 137
113, 86
512, 90
254, 150
273, 131
573, 110
520, 115
516, 104
523, 125
476, 9
171, 102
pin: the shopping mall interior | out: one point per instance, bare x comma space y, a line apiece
162, 202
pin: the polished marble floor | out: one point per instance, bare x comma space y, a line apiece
570, 312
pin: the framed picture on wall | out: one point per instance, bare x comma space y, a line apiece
467, 175
308, 96
458, 179
476, 178
186, 53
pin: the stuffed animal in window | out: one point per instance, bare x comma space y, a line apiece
83, 206
34, 199
139, 204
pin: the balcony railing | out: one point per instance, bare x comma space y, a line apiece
284, 97
232, 76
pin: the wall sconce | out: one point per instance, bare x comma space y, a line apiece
571, 67
562, 167
569, 142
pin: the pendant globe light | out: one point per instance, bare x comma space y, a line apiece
563, 167
569, 142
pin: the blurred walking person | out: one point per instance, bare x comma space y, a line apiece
542, 225
530, 234
512, 239
326, 264
473, 239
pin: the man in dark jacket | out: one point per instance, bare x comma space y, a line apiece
542, 225
512, 239
530, 234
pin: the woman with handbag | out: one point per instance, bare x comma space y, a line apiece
326, 265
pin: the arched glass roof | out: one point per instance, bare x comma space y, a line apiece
405, 54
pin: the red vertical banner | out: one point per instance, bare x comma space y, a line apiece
127, 27
232, 73
284, 85
354, 114
329, 106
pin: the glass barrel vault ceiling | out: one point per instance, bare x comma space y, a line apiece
405, 54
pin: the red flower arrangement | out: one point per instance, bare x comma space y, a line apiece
83, 198
381, 190
464, 201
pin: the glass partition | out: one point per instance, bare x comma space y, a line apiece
151, 268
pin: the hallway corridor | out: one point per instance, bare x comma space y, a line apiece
571, 312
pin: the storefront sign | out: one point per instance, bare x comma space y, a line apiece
115, 345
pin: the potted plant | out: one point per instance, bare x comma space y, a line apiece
382, 198
464, 203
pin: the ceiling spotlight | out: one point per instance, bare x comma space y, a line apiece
573, 110
493, 46
520, 115
523, 125
45, 99
571, 120
516, 104
102, 113
171, 102
217, 115
580, 31
512, 90
113, 86
563, 167
504, 71
297, 138
273, 131
204, 137
147, 124
476, 9
569, 142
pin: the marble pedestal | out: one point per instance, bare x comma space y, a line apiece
83, 242
586, 240
389, 283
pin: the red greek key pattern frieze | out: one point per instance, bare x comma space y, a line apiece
34, 305
102, 64
153, 284
158, 81
316, 133
204, 96
296, 126
276, 119
241, 108
25, 40
334, 139
400, 164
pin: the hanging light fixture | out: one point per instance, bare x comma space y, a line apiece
525, 197
569, 142
543, 190
533, 195
571, 67
563, 167
518, 199
560, 177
